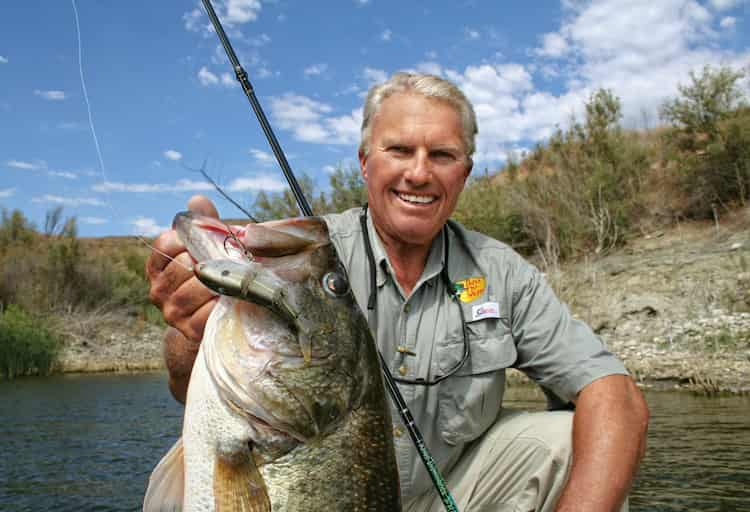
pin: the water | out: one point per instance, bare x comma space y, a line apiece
83, 442
90, 442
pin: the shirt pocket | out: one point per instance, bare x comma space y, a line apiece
469, 400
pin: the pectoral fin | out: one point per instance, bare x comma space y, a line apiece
166, 486
239, 486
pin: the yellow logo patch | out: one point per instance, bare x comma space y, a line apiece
470, 289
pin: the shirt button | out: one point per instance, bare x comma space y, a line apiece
407, 308
398, 431
403, 370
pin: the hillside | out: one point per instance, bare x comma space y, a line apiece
673, 304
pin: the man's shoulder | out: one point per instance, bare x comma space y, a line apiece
481, 245
343, 224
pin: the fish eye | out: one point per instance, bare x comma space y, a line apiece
335, 284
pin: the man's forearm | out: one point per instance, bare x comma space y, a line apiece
609, 440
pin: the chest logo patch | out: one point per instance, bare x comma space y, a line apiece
486, 310
470, 289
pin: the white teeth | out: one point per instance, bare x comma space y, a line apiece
416, 199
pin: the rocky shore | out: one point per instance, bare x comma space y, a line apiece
673, 304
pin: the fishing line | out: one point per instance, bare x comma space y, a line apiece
96, 139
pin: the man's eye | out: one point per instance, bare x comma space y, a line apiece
400, 150
443, 156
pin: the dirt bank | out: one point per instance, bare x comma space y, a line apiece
674, 304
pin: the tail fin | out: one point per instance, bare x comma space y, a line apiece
166, 486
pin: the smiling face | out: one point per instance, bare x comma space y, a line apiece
415, 169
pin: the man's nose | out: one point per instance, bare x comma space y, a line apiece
419, 170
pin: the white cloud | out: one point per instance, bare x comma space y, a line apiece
27, 166
639, 49
728, 22
3, 60
374, 76
262, 157
292, 109
68, 201
361, 2
183, 185
315, 69
471, 34
260, 40
432, 68
193, 20
64, 174
230, 12
254, 184
207, 78
147, 226
92, 220
310, 120
386, 35
553, 45
50, 95
173, 155
723, 5
239, 11
7, 192
229, 80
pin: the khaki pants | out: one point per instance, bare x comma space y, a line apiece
520, 465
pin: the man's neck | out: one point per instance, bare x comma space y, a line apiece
407, 260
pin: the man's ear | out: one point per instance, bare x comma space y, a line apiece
362, 164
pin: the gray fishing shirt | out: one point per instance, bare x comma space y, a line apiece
513, 319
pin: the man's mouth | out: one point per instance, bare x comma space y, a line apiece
416, 199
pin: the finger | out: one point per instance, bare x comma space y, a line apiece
193, 326
196, 324
165, 248
189, 297
167, 281
202, 205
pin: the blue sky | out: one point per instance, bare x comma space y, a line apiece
163, 100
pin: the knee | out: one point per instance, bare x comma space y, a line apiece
550, 434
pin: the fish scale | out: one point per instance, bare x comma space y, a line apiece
286, 409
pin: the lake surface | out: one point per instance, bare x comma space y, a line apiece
89, 442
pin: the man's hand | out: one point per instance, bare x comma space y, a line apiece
609, 440
182, 299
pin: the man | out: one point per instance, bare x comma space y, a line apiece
417, 141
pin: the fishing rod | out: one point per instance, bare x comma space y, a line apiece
403, 410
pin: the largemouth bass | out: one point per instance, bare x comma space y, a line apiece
286, 409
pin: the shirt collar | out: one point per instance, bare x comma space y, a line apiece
383, 266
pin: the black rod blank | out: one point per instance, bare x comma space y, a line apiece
398, 399
250, 93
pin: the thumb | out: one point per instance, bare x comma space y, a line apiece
203, 206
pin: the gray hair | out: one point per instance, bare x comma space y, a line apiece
429, 86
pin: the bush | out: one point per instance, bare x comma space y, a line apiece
580, 193
347, 190
26, 344
710, 142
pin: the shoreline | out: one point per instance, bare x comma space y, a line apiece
673, 304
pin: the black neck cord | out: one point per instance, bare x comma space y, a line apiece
450, 289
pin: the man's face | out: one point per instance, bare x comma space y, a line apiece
415, 169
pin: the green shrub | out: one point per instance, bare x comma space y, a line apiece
26, 344
579, 193
709, 143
